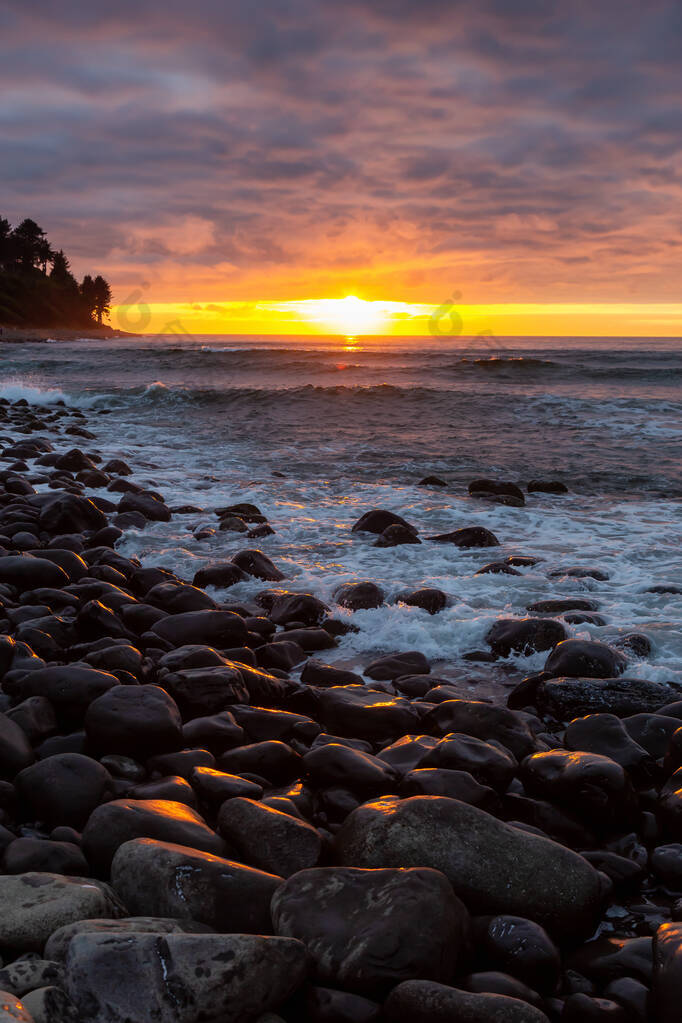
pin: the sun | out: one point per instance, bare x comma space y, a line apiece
350, 315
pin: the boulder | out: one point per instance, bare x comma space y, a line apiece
137, 721
492, 866
360, 595
298, 607
427, 598
581, 658
112, 824
421, 1001
145, 503
34, 905
524, 635
470, 536
485, 721
377, 520
28, 573
268, 839
163, 879
385, 669
209, 628
366, 930
566, 698
181, 978
221, 576
63, 789
257, 564
15, 749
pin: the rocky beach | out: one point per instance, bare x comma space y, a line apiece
208, 814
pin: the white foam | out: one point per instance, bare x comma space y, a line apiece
15, 390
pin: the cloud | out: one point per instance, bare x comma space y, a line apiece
303, 148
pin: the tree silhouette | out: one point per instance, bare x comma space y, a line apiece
30, 296
102, 293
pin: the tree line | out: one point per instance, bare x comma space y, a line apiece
37, 287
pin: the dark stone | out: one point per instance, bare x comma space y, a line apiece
357, 712
181, 977
606, 734
652, 731
70, 688
488, 763
594, 787
268, 839
217, 733
470, 536
298, 607
134, 720
146, 504
377, 520
164, 879
112, 824
439, 781
272, 760
497, 568
257, 564
172, 788
365, 930
63, 789
547, 487
214, 787
396, 535
69, 513
393, 665
485, 721
520, 947
581, 658
26, 572
579, 572
221, 576
524, 635
15, 749
422, 1001
498, 492
432, 481
428, 598
565, 698
492, 866
356, 596
200, 692
28, 854
177, 598
212, 628
336, 765
407, 753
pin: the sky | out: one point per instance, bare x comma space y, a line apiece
234, 165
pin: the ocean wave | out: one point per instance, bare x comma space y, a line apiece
15, 390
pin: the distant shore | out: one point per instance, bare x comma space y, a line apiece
17, 335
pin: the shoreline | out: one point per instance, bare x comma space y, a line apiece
37, 335
190, 779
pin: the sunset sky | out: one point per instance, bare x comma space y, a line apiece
233, 165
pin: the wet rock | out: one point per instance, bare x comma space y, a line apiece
397, 535
210, 628
439, 781
429, 599
36, 904
524, 635
35, 854
378, 520
580, 658
488, 762
15, 748
145, 503
470, 536
497, 568
69, 513
178, 598
273, 760
412, 662
406, 753
432, 481
57, 944
520, 947
12, 1010
579, 572
607, 959
221, 576
356, 596
163, 879
257, 564
606, 734
201, 692
497, 492
485, 721
492, 866
421, 1001
122, 820
27, 974
268, 839
137, 721
28, 573
216, 733
359, 713
181, 978
63, 789
365, 930
298, 607
566, 698
36, 717
593, 787
336, 765
652, 731
70, 688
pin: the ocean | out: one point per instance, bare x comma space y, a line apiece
316, 431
